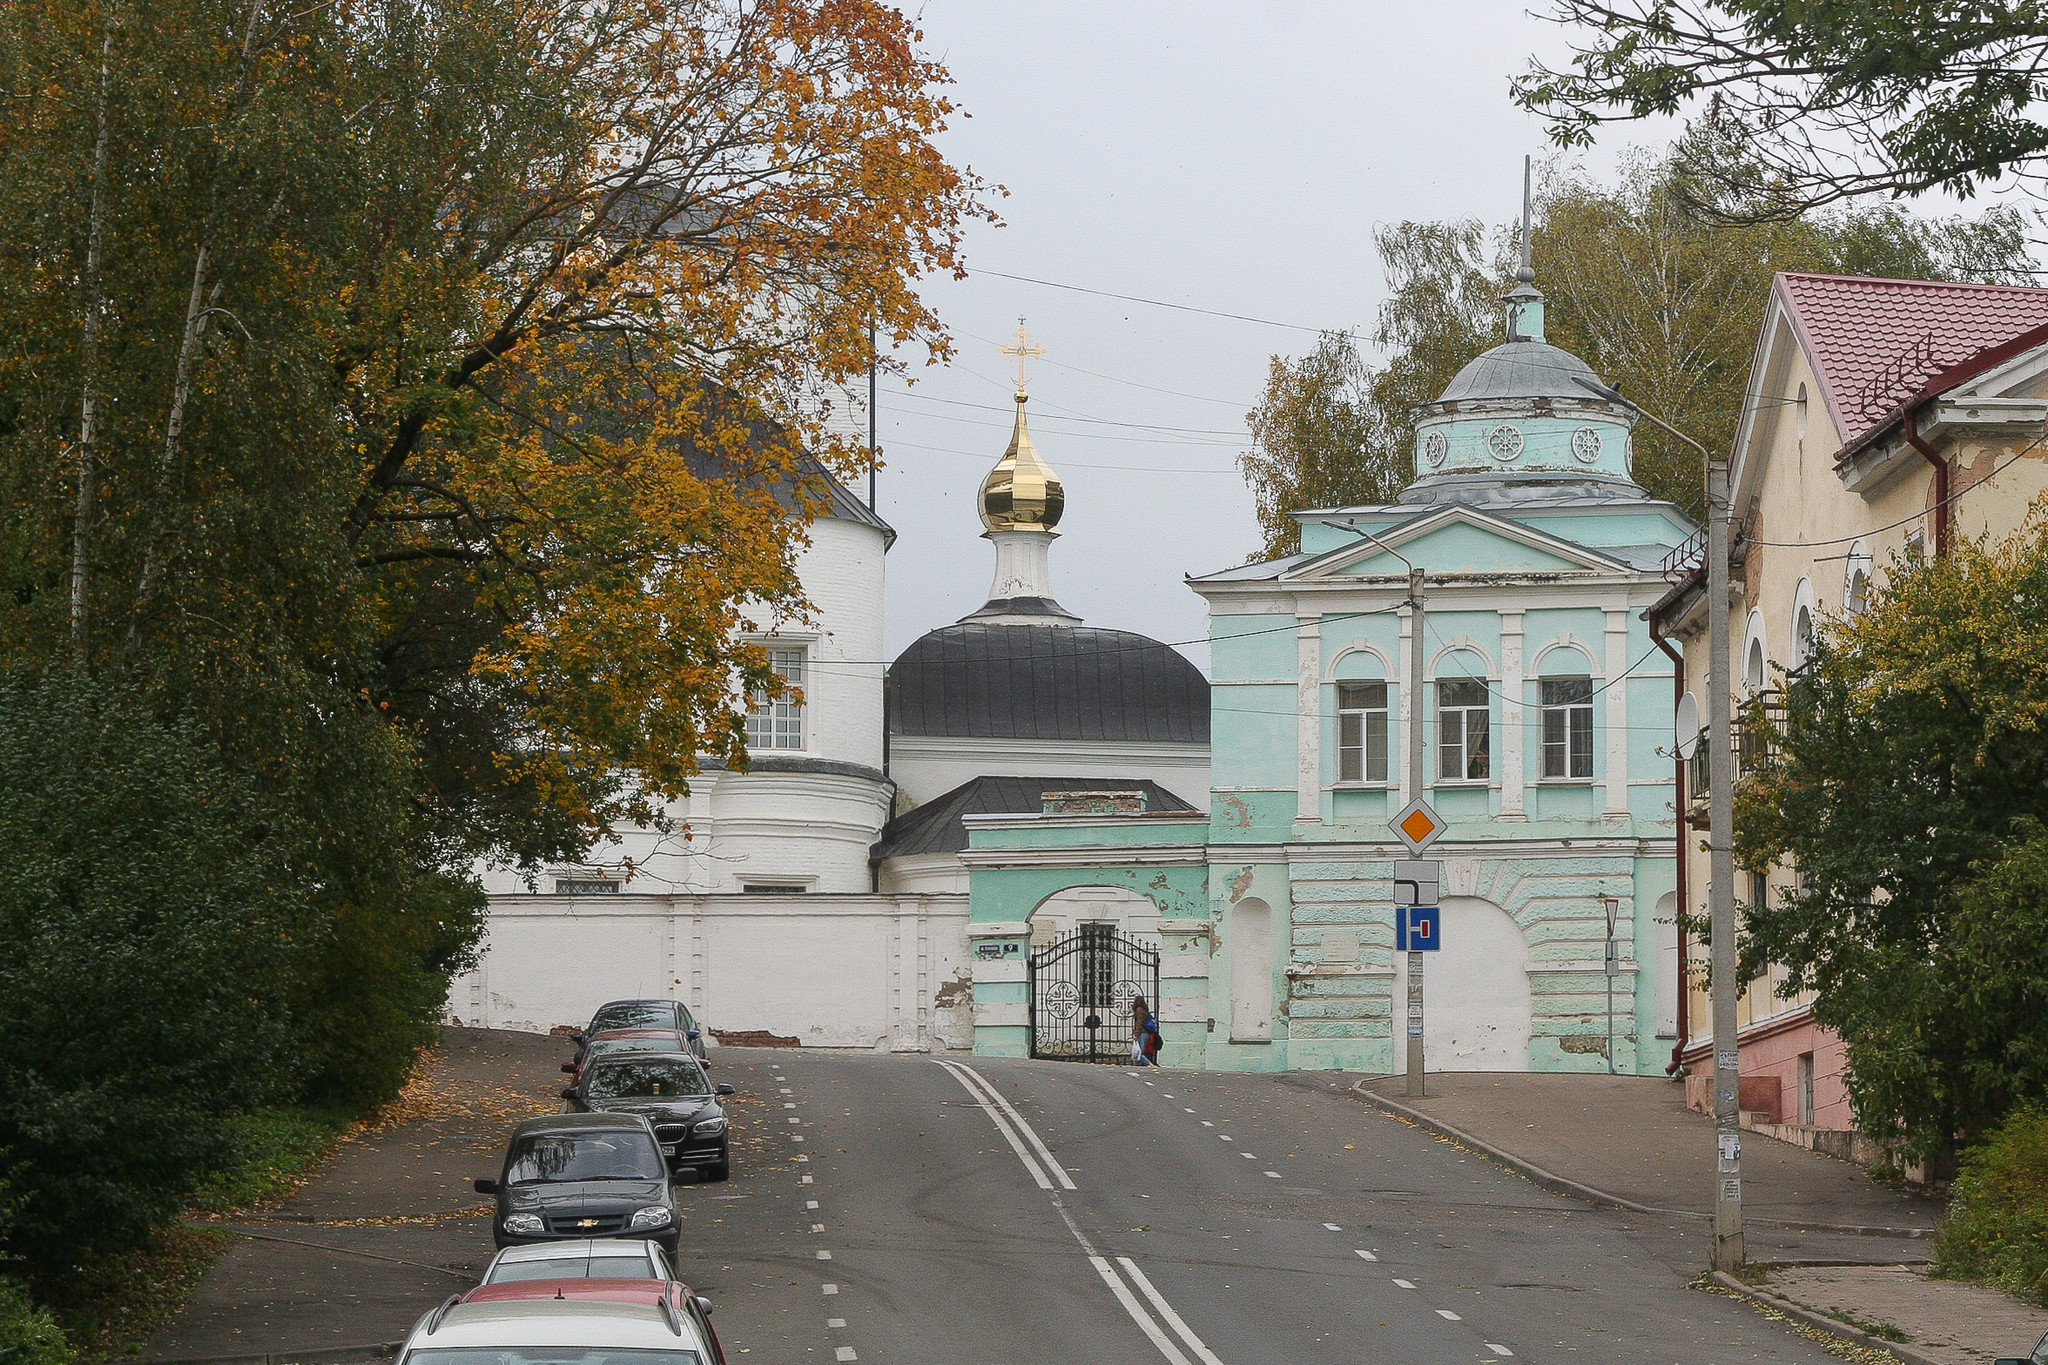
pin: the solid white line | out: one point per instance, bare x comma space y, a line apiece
1138, 1313
1173, 1319
1002, 1126
987, 1087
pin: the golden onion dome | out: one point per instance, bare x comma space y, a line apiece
1021, 493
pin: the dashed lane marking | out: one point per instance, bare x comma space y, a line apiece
1498, 1349
1448, 1316
830, 1288
810, 1203
817, 1227
835, 1322
804, 1180
1403, 1283
1274, 1174
826, 1256
846, 1353
1367, 1255
1333, 1227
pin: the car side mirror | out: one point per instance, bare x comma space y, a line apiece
694, 1034
483, 1185
724, 1089
704, 1307
569, 1067
568, 1092
578, 1037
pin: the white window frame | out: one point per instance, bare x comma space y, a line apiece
1455, 733
1362, 732
1572, 720
777, 724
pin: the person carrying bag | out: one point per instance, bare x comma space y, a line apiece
1145, 1039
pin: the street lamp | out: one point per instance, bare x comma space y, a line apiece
1728, 1243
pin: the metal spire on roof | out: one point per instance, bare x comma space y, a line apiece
1525, 301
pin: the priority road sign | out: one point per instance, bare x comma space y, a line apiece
1418, 928
1417, 825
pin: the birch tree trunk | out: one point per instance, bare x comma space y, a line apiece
85, 503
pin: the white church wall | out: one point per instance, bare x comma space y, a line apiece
854, 971
842, 572
930, 874
927, 766
811, 830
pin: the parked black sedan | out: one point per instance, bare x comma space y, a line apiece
641, 1014
583, 1175
671, 1092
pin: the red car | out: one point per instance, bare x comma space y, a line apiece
613, 1042
654, 1293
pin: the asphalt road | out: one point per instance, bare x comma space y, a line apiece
922, 1211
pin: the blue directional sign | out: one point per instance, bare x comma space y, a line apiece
1418, 928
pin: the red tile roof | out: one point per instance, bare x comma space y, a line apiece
1875, 342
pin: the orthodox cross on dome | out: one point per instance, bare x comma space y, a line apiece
1023, 350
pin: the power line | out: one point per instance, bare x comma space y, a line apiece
1066, 463
2023, 452
1158, 303
1071, 415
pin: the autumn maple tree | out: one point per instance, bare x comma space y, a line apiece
420, 402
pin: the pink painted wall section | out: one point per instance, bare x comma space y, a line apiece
1770, 1076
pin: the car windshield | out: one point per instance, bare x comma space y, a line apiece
548, 1355
596, 1267
647, 1079
549, 1158
667, 1042
657, 1015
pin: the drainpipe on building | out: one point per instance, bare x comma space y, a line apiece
1684, 996
1914, 439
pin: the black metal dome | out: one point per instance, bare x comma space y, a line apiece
1046, 682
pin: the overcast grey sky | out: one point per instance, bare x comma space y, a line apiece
1229, 156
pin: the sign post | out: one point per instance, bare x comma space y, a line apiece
1417, 918
1613, 970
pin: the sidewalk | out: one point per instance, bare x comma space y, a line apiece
389, 1226
1651, 1150
1630, 1141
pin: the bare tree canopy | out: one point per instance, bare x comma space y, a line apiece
1802, 105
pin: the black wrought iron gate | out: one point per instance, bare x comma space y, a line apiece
1081, 989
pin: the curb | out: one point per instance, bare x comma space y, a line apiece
1832, 1326
320, 1355
1558, 1184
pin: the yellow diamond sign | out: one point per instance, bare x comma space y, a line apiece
1418, 826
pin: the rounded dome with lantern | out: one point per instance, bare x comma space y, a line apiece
1525, 421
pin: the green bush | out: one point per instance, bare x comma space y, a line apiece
1997, 1228
148, 934
28, 1334
273, 1148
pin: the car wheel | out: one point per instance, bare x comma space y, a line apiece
718, 1171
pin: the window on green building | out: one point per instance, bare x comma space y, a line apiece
1567, 727
1361, 732
1463, 730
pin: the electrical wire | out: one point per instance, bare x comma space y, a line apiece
2023, 452
984, 458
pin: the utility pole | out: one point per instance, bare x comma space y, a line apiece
1415, 781
1728, 1249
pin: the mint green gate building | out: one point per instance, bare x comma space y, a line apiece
1546, 715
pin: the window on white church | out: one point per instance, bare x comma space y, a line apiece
1567, 726
1361, 732
778, 723
1463, 730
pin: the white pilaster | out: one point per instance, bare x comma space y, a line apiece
1410, 710
1308, 734
1513, 769
1616, 697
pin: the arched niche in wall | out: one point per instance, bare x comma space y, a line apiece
1249, 941
1803, 626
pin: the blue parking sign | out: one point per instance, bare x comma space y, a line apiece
1418, 928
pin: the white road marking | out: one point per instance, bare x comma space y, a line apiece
1249, 1156
1002, 1126
1404, 1284
975, 1081
846, 1353
826, 1256
810, 1203
1224, 1136
786, 1104
831, 1289
1367, 1255
1498, 1349
1173, 1319
793, 1118
796, 1137
1205, 1122
1150, 1083
803, 1180
1166, 1097
1448, 1315
1002, 1114
801, 1157
817, 1227
785, 1089
1274, 1174
1333, 1227
835, 1322
1190, 1111
1137, 1312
